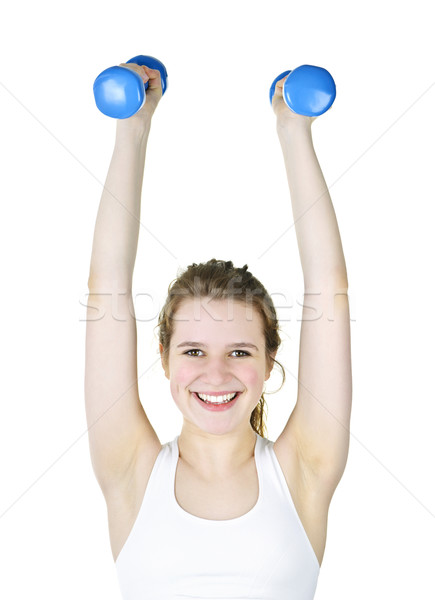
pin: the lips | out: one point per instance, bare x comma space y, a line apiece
216, 407
216, 393
230, 399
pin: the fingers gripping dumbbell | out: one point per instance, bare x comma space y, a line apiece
308, 90
120, 92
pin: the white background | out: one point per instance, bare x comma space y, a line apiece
215, 186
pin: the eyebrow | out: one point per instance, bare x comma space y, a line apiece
235, 345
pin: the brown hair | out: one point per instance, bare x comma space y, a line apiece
215, 279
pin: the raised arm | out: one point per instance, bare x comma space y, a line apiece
318, 427
118, 220
117, 424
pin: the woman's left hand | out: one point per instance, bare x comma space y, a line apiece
282, 111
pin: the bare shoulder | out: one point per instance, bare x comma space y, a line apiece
147, 454
308, 494
136, 477
306, 481
124, 499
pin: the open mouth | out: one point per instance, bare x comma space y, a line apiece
228, 398
223, 400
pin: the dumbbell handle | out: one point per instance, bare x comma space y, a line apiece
119, 92
308, 90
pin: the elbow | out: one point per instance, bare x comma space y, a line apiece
335, 281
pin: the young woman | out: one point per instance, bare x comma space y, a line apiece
220, 511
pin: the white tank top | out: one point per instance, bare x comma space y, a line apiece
172, 555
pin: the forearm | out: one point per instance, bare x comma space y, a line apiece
117, 226
316, 225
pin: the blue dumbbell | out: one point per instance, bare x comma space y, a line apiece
308, 90
120, 92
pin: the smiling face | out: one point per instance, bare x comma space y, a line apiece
217, 346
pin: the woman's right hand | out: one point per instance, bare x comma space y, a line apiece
153, 93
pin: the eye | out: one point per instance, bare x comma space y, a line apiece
188, 351
197, 350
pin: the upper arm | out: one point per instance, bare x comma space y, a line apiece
319, 424
117, 423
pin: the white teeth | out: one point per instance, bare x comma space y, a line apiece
217, 399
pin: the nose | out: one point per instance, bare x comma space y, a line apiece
217, 372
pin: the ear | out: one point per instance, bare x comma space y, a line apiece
271, 364
166, 370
